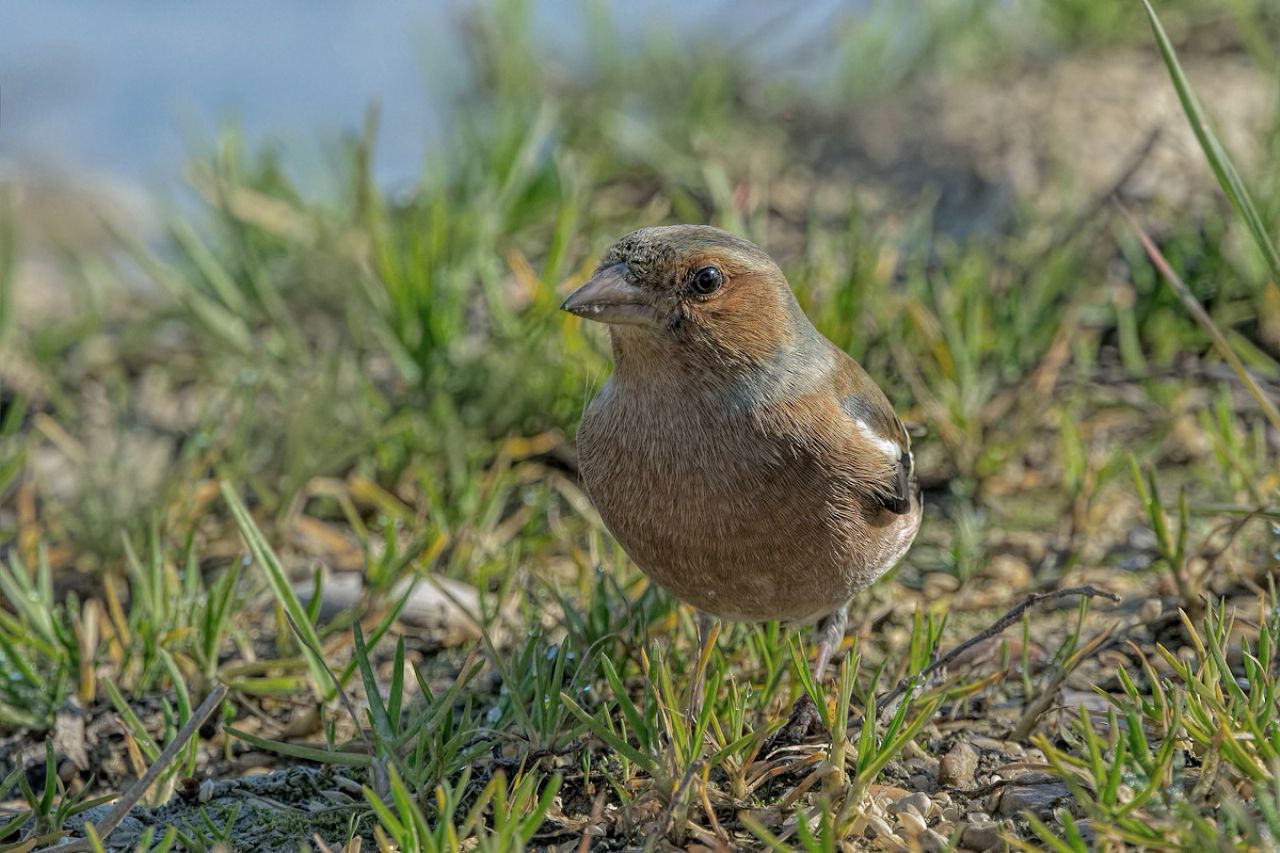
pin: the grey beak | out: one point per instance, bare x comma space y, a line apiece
608, 297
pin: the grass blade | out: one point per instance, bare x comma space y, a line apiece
306, 753
263, 555
1219, 160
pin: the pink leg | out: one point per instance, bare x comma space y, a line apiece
828, 635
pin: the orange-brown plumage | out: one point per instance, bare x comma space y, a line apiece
741, 459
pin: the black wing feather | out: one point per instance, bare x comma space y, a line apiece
881, 419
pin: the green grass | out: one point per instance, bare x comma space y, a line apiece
385, 383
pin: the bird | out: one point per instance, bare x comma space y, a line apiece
742, 460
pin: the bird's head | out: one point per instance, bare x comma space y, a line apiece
692, 288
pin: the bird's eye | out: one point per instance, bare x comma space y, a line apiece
707, 280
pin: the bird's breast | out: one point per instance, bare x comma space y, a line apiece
738, 519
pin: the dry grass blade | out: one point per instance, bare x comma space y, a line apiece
1193, 306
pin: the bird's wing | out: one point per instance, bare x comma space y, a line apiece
879, 429
884, 433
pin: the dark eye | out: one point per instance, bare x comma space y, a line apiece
707, 280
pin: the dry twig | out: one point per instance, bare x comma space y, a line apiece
139, 788
1013, 615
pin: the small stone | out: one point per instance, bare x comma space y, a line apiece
1189, 436
881, 828
1150, 610
1086, 830
882, 794
957, 767
923, 765
932, 841
919, 800
938, 584
921, 782
981, 836
912, 821
1014, 573
1038, 799
449, 608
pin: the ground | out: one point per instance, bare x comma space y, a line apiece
318, 451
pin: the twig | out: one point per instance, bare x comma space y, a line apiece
1196, 310
1233, 529
597, 812
1012, 616
1099, 202
1250, 512
166, 757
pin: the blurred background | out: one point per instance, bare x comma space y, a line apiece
288, 274
132, 92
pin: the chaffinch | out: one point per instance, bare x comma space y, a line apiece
741, 459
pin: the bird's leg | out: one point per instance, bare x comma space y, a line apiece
828, 636
805, 720
708, 631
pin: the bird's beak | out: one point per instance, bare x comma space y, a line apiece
609, 298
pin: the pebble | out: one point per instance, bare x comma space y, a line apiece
932, 841
925, 765
957, 767
881, 827
981, 836
442, 604
1085, 828
919, 800
1013, 572
1039, 799
986, 743
938, 584
912, 822
883, 794
1150, 610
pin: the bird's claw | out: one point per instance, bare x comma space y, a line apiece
804, 723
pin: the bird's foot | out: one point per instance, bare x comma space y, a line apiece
804, 724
